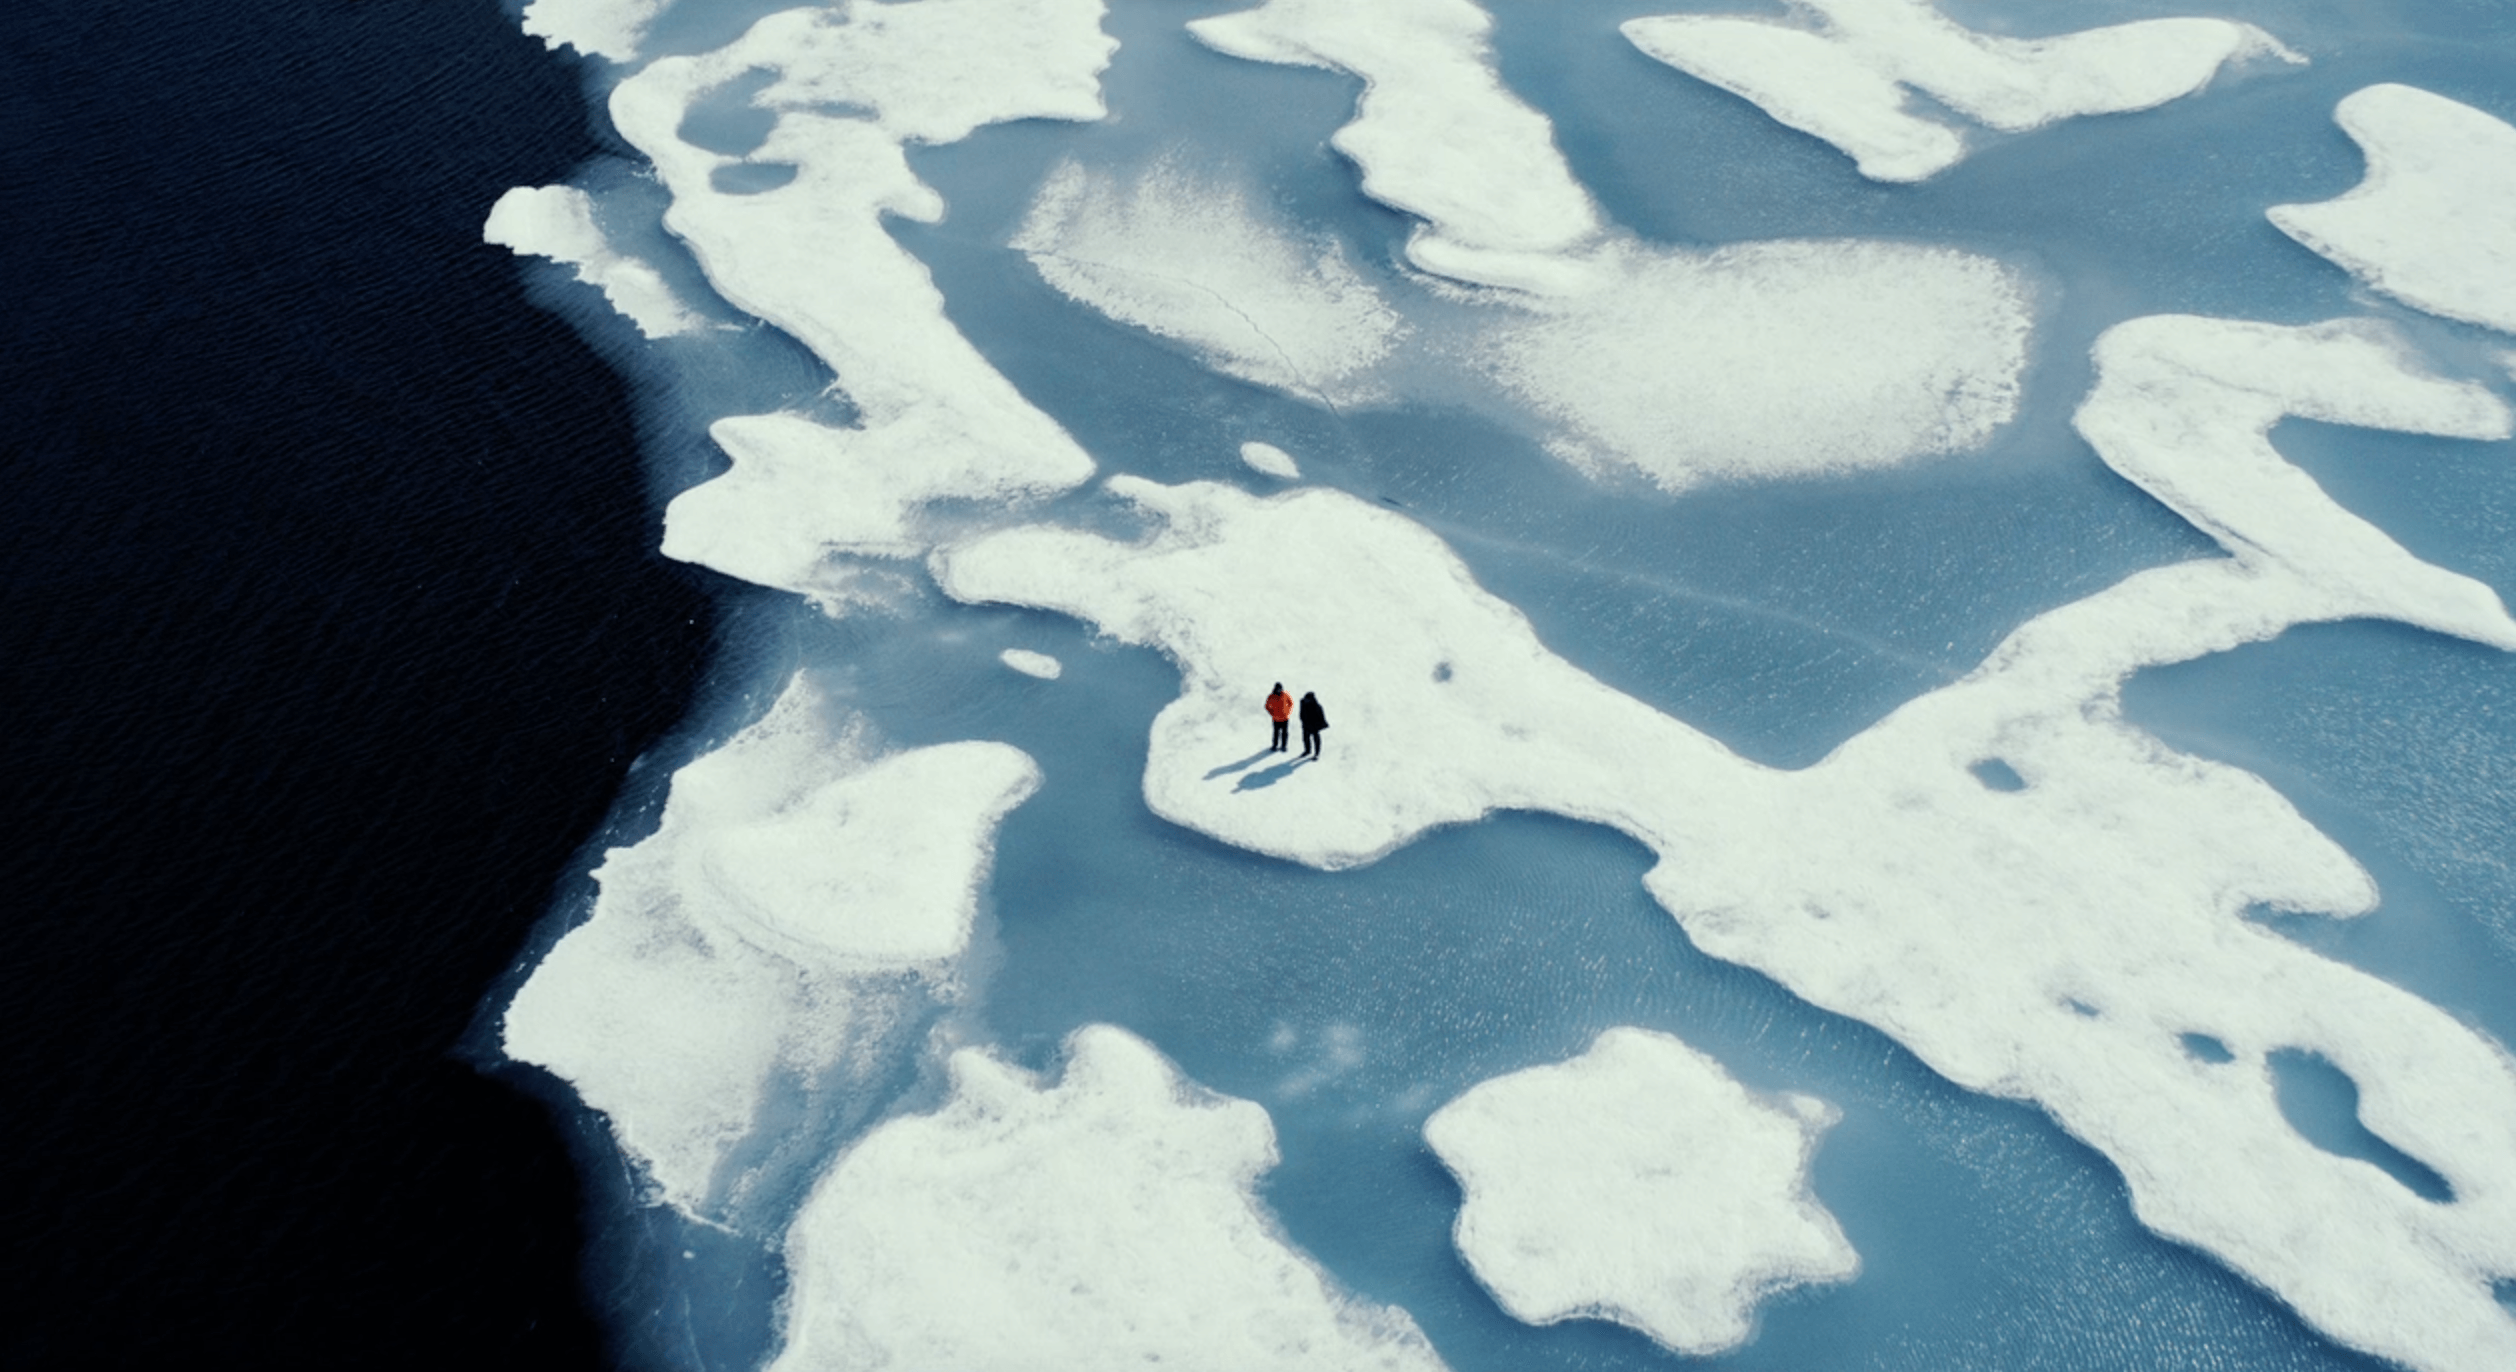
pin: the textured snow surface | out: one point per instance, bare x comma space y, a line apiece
1191, 259
1436, 133
812, 258
557, 222
766, 937
2051, 943
2434, 223
1639, 1183
1841, 71
1107, 1220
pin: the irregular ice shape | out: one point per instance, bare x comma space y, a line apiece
1108, 1220
557, 222
812, 258
1638, 1183
598, 28
1192, 260
1029, 663
2051, 942
1435, 133
1839, 74
763, 940
2434, 223
1270, 460
1770, 359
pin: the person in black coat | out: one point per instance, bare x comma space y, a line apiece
1314, 721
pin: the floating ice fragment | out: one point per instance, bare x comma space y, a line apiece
1839, 73
1106, 1220
770, 936
1193, 261
2434, 222
1638, 1183
1270, 460
2060, 943
557, 222
1435, 133
1029, 663
812, 258
598, 28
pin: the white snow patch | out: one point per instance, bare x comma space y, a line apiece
1770, 359
1838, 73
1639, 1183
608, 29
1269, 460
1106, 1220
1436, 134
2050, 943
1192, 260
2434, 223
812, 258
557, 222
770, 931
1029, 663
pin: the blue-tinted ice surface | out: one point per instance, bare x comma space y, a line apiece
1781, 618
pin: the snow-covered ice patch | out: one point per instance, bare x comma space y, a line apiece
1192, 260
557, 222
1839, 72
811, 256
796, 905
1107, 1220
1029, 663
1639, 1183
1267, 459
1770, 359
2054, 940
609, 29
1436, 133
2434, 222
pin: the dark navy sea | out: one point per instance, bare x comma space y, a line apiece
331, 627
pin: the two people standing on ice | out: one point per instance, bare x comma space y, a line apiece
1314, 720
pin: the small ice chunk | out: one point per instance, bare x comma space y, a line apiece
1029, 663
1107, 1220
1638, 1183
1436, 133
557, 222
1191, 259
608, 29
1841, 78
763, 933
1270, 460
2434, 222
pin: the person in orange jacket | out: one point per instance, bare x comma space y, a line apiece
1279, 709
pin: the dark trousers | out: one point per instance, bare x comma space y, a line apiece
1310, 743
1277, 743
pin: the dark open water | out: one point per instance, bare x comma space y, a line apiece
331, 623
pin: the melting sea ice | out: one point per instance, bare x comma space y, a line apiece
1911, 604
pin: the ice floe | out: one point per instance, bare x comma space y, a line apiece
1192, 260
557, 222
1029, 663
2434, 223
597, 28
750, 961
1270, 460
1840, 70
1436, 134
811, 257
1105, 1220
2052, 940
1639, 1183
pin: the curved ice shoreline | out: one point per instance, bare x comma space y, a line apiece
2061, 939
